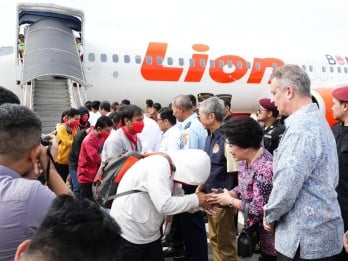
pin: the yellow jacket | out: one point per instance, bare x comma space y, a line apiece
65, 139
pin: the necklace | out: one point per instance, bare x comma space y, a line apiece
258, 154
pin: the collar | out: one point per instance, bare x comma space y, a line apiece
9, 172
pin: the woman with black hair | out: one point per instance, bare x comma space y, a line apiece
244, 136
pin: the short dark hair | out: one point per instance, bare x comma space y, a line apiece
95, 105
166, 113
88, 105
7, 96
157, 106
105, 105
73, 112
129, 111
103, 122
115, 117
75, 229
20, 130
243, 131
193, 99
125, 101
149, 102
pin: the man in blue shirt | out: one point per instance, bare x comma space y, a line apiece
303, 207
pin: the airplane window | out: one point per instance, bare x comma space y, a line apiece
192, 62
274, 66
115, 58
212, 63
103, 57
159, 60
310, 68
323, 69
221, 63
127, 58
339, 69
202, 62
138, 59
304, 67
239, 65
258, 66
345, 70
6, 50
248, 64
148, 59
170, 61
181, 61
331, 69
91, 57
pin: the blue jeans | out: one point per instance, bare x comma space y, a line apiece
75, 183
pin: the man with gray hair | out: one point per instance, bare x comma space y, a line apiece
222, 230
303, 207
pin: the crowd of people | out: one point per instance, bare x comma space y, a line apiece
286, 172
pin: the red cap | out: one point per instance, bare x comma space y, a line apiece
341, 94
268, 105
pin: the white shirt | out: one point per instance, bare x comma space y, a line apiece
93, 117
150, 136
171, 139
140, 215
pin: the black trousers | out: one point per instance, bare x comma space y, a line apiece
140, 252
86, 191
343, 256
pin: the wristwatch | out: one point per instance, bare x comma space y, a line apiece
231, 203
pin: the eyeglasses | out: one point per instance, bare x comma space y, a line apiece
260, 110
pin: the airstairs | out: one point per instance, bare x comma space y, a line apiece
51, 71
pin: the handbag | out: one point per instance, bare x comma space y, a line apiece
248, 238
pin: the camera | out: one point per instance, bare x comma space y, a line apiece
45, 141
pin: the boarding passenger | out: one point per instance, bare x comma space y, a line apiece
24, 201
149, 104
273, 127
222, 231
114, 106
94, 114
104, 108
21, 46
140, 215
125, 102
65, 135
125, 138
89, 157
244, 136
171, 136
340, 130
79, 47
84, 117
73, 229
194, 103
303, 207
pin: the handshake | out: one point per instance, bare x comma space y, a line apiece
212, 202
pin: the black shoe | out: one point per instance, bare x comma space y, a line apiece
169, 251
164, 242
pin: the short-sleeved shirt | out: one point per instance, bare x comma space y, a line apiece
23, 205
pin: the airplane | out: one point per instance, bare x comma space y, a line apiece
159, 49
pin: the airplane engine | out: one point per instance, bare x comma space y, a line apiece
323, 97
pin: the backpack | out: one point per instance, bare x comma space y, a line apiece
108, 178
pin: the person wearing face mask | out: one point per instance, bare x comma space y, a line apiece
84, 117
89, 158
65, 136
125, 138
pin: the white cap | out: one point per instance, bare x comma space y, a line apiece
192, 166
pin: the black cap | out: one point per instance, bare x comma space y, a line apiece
203, 96
225, 97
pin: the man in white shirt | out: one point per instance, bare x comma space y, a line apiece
140, 214
171, 132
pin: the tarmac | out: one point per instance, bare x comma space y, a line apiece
255, 257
